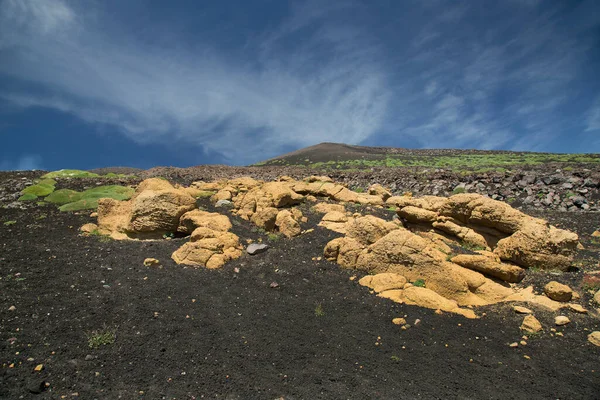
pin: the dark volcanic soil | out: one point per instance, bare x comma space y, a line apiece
185, 333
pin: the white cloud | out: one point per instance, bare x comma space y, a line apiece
329, 88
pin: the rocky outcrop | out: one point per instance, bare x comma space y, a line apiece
480, 221
209, 248
154, 209
383, 247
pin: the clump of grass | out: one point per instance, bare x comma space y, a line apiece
319, 312
63, 196
101, 337
459, 190
9, 223
204, 194
359, 190
395, 358
419, 283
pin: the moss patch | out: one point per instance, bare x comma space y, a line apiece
70, 173
89, 199
27, 197
63, 196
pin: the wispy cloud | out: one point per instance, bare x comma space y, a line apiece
513, 75
25, 162
328, 87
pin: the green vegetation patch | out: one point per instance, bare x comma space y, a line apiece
89, 199
70, 173
63, 196
27, 197
39, 189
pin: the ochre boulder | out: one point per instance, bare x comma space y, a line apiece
558, 292
156, 207
531, 324
329, 207
335, 221
265, 218
485, 265
209, 248
198, 218
383, 282
287, 224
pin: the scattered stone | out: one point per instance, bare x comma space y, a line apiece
558, 292
274, 285
12, 308
89, 357
561, 320
39, 367
88, 228
523, 343
256, 248
94, 215
513, 345
522, 310
399, 321
594, 338
577, 308
531, 324
224, 203
597, 297
417, 322
37, 386
151, 261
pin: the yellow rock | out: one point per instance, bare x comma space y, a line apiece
399, 321
38, 367
151, 261
531, 324
88, 228
384, 281
558, 292
485, 265
329, 207
594, 338
198, 218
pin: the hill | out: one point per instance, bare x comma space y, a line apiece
342, 156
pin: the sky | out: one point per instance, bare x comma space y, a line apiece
94, 83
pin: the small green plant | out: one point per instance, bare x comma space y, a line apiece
319, 312
395, 358
511, 200
101, 237
391, 208
41, 216
459, 190
273, 237
204, 194
570, 194
471, 246
9, 223
102, 337
169, 235
359, 190
541, 195
419, 283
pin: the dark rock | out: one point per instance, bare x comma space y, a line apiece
578, 200
36, 386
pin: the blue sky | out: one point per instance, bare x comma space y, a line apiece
86, 84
